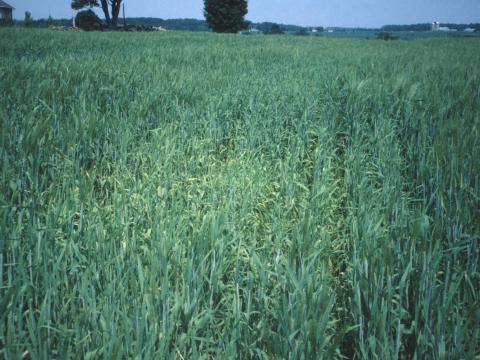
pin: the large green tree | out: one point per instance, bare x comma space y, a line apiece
227, 16
111, 8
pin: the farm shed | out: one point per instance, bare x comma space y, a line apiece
5, 12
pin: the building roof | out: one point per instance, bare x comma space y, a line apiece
4, 5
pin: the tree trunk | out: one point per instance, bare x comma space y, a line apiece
115, 12
106, 12
115, 5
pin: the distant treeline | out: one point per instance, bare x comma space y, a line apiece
427, 27
170, 24
265, 27
43, 23
201, 25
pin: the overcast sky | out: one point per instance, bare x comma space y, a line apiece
365, 13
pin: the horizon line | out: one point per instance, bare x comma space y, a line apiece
273, 22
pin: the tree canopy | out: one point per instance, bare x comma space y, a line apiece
87, 20
81, 4
226, 16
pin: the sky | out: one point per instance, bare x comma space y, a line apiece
347, 13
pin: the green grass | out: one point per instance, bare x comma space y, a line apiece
192, 196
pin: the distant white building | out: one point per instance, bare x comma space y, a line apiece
435, 26
253, 31
469, 30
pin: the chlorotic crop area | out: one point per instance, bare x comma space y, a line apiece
200, 196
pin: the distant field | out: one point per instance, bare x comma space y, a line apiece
197, 196
402, 35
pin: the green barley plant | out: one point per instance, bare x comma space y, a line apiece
201, 196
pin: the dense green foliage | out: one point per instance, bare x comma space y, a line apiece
226, 16
81, 4
87, 20
221, 196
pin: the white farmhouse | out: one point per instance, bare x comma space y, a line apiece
435, 26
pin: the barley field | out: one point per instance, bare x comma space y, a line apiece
199, 196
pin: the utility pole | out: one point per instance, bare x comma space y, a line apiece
124, 21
